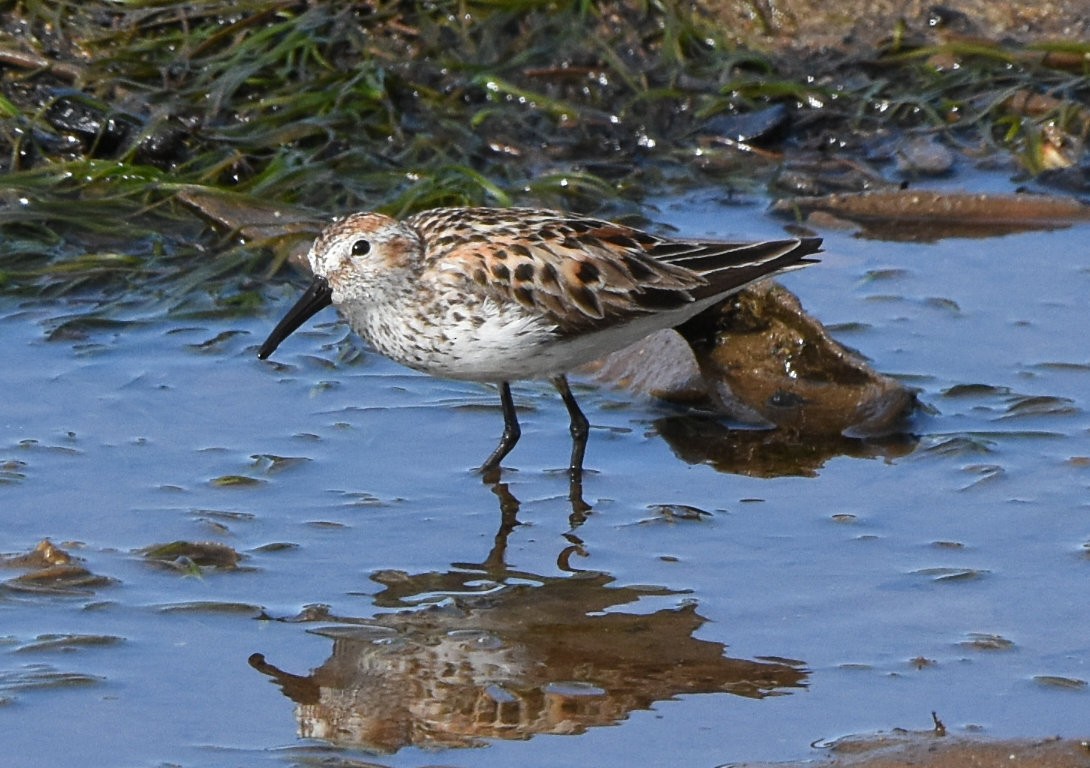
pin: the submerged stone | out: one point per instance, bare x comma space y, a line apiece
758, 358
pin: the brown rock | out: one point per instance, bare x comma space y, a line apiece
760, 359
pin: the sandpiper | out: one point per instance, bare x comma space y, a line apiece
503, 294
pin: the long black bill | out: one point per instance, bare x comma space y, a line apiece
318, 296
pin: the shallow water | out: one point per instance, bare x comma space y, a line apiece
950, 576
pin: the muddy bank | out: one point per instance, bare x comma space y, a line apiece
902, 749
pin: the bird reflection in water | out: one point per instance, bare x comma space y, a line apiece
484, 651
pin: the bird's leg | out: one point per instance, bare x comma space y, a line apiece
511, 432
580, 428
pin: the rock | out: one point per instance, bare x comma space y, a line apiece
758, 358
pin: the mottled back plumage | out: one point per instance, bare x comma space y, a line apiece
583, 273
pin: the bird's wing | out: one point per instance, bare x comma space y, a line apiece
580, 273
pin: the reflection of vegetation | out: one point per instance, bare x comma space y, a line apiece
115, 112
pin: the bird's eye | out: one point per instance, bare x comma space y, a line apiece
360, 247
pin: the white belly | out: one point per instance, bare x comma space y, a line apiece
504, 343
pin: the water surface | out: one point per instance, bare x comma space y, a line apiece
949, 576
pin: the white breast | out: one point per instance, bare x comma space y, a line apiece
493, 342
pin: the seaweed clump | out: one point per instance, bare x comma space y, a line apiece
140, 137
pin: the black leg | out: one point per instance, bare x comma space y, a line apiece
511, 431
580, 427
